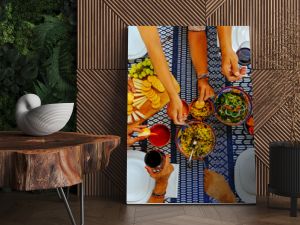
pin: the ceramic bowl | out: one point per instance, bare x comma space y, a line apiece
40, 120
244, 96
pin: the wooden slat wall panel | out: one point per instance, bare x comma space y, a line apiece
212, 5
273, 116
277, 128
268, 88
158, 12
262, 177
102, 50
101, 109
102, 37
265, 18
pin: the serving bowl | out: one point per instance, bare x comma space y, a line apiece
162, 135
180, 135
232, 106
193, 109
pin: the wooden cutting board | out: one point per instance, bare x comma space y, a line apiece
147, 109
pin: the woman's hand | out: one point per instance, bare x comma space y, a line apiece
175, 110
205, 90
230, 66
132, 140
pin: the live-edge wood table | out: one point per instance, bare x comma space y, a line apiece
52, 162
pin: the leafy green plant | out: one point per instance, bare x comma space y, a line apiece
17, 73
7, 119
15, 31
57, 71
54, 44
33, 10
37, 53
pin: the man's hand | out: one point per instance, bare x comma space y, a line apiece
205, 90
230, 66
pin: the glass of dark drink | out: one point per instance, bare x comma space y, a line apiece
244, 54
155, 159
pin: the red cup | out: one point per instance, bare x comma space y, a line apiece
162, 135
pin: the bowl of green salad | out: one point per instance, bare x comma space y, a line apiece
232, 106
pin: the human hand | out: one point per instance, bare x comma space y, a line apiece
230, 67
161, 181
130, 85
217, 187
205, 90
132, 140
164, 174
175, 110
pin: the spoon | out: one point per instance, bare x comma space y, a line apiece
189, 163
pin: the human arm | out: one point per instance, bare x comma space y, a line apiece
161, 181
151, 39
230, 66
198, 50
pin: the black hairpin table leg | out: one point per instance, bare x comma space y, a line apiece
62, 195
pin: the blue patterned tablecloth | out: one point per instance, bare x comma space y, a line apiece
230, 141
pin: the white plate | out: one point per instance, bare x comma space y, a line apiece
244, 176
139, 183
136, 46
240, 34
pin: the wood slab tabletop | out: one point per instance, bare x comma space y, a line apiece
57, 160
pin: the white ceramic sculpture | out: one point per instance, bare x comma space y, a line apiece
40, 120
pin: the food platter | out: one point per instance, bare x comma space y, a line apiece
201, 111
149, 97
232, 106
197, 131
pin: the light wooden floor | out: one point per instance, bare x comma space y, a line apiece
46, 209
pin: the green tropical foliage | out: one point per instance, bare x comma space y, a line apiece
14, 31
52, 44
37, 54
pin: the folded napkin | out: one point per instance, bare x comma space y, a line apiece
172, 189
